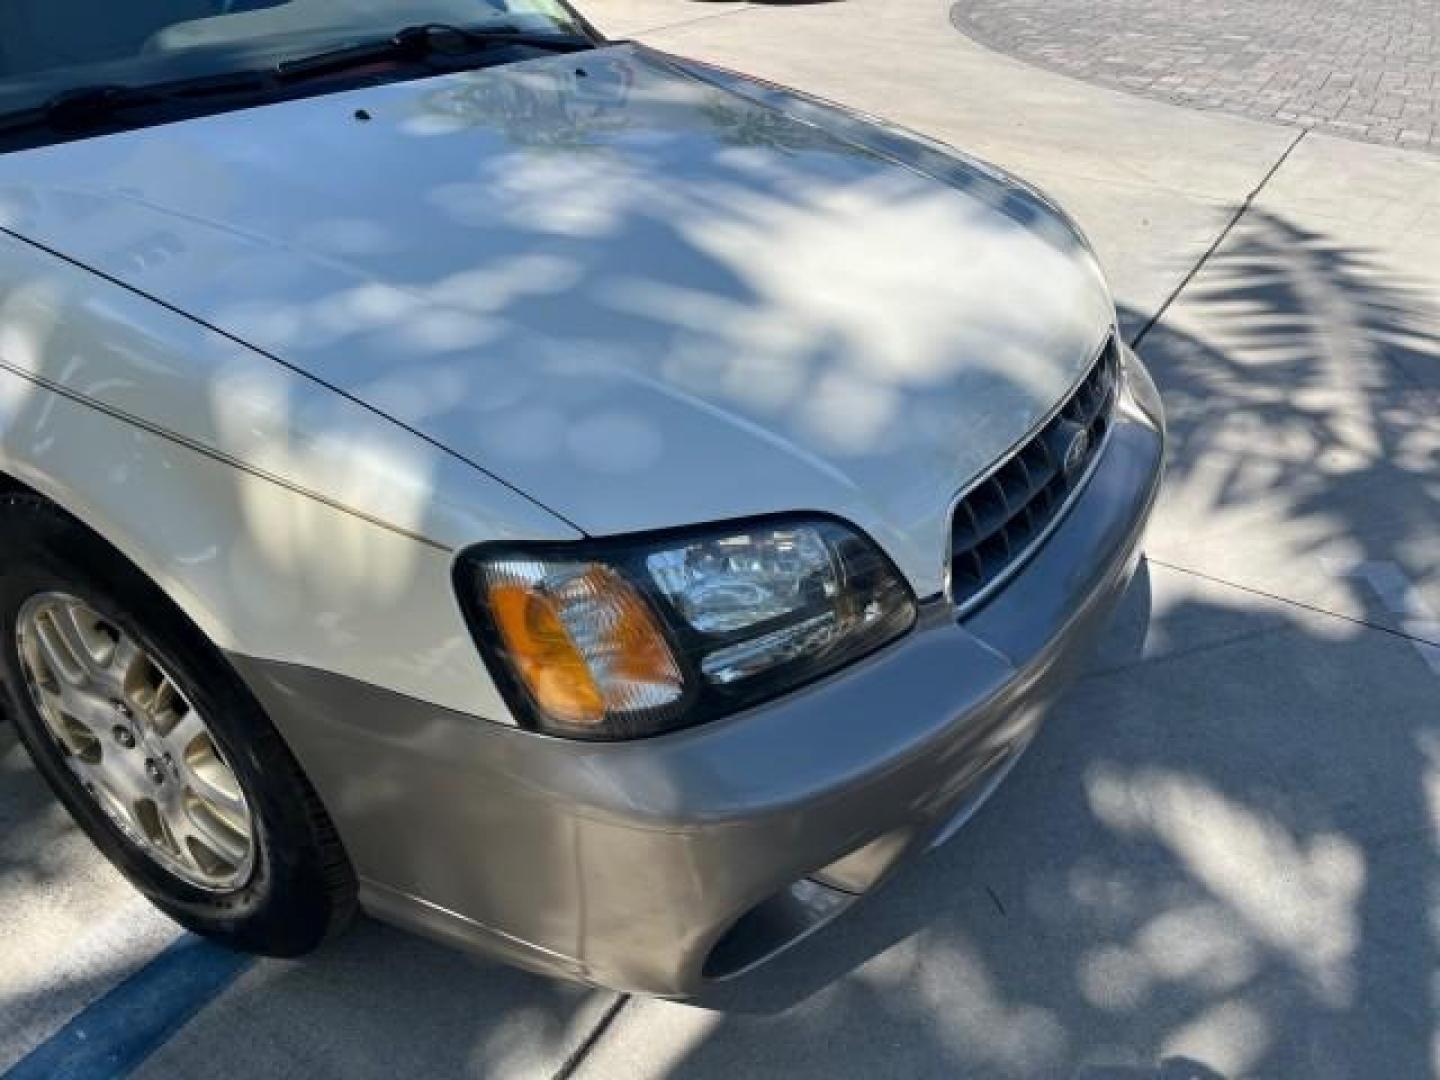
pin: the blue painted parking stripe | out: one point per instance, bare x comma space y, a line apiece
114, 1034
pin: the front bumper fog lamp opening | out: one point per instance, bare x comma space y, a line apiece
772, 926
804, 906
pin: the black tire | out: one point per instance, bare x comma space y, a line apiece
301, 890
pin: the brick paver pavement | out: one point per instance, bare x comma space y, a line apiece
1367, 69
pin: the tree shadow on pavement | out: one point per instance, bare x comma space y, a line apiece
1220, 857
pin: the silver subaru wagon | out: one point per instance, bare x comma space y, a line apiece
569, 500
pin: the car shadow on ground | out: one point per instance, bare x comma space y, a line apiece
1219, 858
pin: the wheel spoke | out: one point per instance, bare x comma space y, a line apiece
166, 700
109, 790
212, 782
73, 624
178, 732
169, 838
124, 660
93, 712
75, 715
51, 705
54, 647
213, 834
69, 699
74, 733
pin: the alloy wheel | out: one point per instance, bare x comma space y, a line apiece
136, 743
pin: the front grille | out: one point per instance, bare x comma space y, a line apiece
998, 521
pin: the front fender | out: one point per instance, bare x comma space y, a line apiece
288, 522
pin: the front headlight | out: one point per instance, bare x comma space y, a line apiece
618, 639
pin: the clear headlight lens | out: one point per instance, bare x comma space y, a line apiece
627, 638
732, 582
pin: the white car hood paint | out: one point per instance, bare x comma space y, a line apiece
638, 296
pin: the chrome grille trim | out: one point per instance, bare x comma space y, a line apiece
998, 511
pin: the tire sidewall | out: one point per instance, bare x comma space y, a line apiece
42, 550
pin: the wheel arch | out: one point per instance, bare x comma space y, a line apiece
12, 484
57, 555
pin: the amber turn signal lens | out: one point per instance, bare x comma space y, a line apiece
544, 656
583, 642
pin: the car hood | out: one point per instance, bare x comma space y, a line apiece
643, 292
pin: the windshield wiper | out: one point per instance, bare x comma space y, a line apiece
84, 107
422, 43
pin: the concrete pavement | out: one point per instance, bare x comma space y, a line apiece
1219, 860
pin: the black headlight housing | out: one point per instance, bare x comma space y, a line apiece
639, 635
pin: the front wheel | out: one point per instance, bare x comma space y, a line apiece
156, 747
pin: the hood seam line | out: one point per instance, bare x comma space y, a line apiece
294, 369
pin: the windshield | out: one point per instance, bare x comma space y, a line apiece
48, 47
